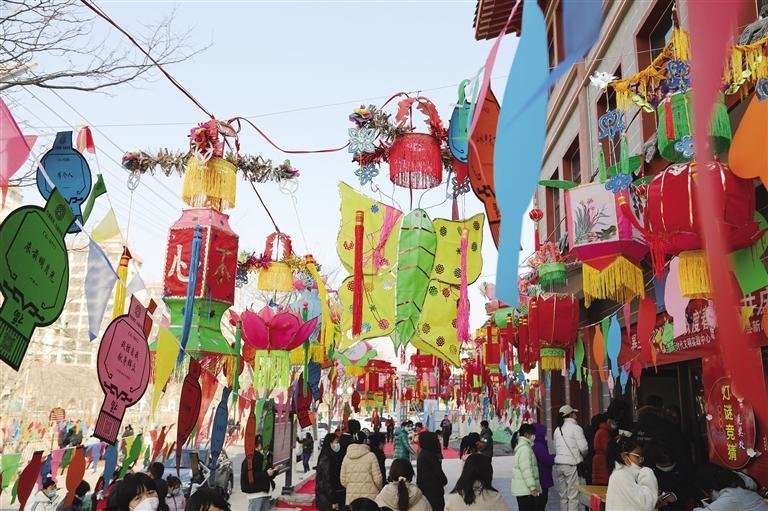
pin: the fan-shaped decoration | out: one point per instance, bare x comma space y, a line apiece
417, 255
437, 326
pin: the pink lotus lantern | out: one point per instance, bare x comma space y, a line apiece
273, 334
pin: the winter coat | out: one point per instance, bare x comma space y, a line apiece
525, 471
603, 437
446, 427
175, 502
731, 499
487, 436
416, 500
544, 459
485, 500
41, 502
570, 443
360, 473
431, 479
328, 489
631, 487
262, 483
403, 449
382, 459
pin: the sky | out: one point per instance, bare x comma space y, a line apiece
296, 69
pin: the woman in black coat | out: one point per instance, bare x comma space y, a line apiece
430, 477
329, 493
376, 443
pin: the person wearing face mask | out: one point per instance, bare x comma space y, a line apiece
47, 499
81, 501
525, 470
137, 492
675, 486
329, 494
175, 499
630, 485
604, 435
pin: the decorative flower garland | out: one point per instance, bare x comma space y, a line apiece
254, 169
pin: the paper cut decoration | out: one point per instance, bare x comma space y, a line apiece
520, 144
219, 429
447, 267
16, 148
481, 162
414, 266
34, 273
75, 473
189, 407
99, 281
28, 477
68, 172
123, 367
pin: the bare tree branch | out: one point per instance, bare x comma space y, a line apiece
57, 35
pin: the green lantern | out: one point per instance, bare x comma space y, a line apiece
675, 131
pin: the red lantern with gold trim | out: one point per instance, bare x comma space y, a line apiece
553, 321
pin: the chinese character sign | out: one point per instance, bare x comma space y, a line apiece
34, 273
68, 172
123, 367
731, 425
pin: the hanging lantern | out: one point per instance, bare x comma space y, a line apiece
276, 275
553, 321
673, 225
491, 346
675, 131
536, 215
415, 159
606, 240
273, 333
214, 289
209, 184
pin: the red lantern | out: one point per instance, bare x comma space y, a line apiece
215, 286
673, 226
491, 343
536, 215
553, 321
415, 161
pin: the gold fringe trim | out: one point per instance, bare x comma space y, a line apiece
552, 359
746, 63
620, 281
315, 354
278, 277
210, 184
694, 275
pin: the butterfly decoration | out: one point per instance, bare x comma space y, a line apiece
361, 140
366, 173
678, 75
611, 124
684, 146
761, 89
618, 183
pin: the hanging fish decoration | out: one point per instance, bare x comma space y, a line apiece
219, 429
418, 243
458, 141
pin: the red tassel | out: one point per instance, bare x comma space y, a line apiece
669, 119
357, 278
455, 210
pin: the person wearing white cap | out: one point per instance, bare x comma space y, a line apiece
570, 449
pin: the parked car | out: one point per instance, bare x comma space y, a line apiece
194, 470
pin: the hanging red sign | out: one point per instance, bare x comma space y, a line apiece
731, 425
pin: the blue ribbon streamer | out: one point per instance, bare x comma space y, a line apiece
194, 262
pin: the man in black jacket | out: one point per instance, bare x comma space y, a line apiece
446, 428
256, 481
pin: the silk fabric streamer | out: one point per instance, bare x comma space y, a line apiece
99, 282
712, 25
519, 145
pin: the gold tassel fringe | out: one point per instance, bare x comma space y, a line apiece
210, 184
278, 277
694, 275
620, 281
552, 359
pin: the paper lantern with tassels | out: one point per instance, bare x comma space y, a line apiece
426, 381
273, 333
415, 159
673, 227
675, 131
373, 383
214, 289
210, 181
553, 322
605, 239
276, 275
